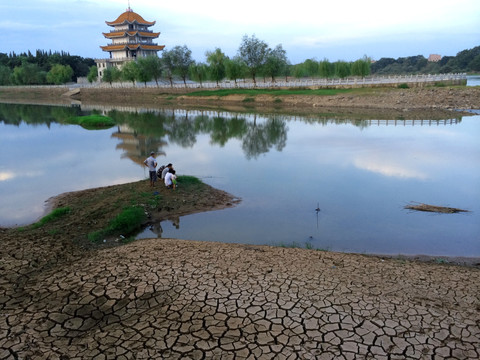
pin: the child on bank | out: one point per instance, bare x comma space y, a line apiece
171, 179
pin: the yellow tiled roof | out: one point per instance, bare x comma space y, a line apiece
130, 17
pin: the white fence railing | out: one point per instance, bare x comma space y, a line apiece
279, 83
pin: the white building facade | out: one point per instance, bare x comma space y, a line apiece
130, 39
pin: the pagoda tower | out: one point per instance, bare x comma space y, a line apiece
130, 38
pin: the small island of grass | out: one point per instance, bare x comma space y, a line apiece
92, 122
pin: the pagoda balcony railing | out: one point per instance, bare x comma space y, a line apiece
148, 42
127, 29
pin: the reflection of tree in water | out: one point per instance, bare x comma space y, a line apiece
15, 114
224, 129
182, 130
260, 138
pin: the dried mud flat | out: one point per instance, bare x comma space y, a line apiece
177, 299
62, 298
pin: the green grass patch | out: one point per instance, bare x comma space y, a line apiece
54, 215
153, 201
403, 86
187, 180
125, 223
275, 92
92, 122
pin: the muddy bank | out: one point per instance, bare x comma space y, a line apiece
433, 100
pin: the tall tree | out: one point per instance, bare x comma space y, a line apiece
198, 72
325, 68
59, 74
28, 74
92, 74
235, 69
151, 65
168, 65
5, 75
254, 53
216, 61
143, 72
342, 69
111, 74
276, 62
177, 61
130, 71
361, 67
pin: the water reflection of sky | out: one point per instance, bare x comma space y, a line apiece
360, 178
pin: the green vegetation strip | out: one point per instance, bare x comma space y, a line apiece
54, 215
275, 92
186, 180
92, 121
125, 223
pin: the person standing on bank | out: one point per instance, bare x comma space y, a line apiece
151, 163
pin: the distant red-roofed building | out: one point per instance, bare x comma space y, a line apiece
434, 57
130, 39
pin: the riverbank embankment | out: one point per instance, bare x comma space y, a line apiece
411, 99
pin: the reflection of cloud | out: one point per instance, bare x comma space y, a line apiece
6, 175
389, 169
9, 175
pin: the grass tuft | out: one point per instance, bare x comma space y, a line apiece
55, 214
125, 223
92, 122
186, 180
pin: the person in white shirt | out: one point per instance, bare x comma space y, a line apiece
171, 179
151, 163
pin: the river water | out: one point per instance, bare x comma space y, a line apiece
359, 172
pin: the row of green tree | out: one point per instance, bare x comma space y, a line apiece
465, 61
254, 59
42, 68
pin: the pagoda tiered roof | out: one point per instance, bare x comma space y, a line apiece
129, 17
119, 34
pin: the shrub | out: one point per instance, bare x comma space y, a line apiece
403, 86
92, 121
55, 214
125, 223
186, 180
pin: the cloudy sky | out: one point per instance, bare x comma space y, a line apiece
335, 30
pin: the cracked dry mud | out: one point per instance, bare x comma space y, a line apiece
175, 299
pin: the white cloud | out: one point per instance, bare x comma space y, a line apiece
6, 175
389, 168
